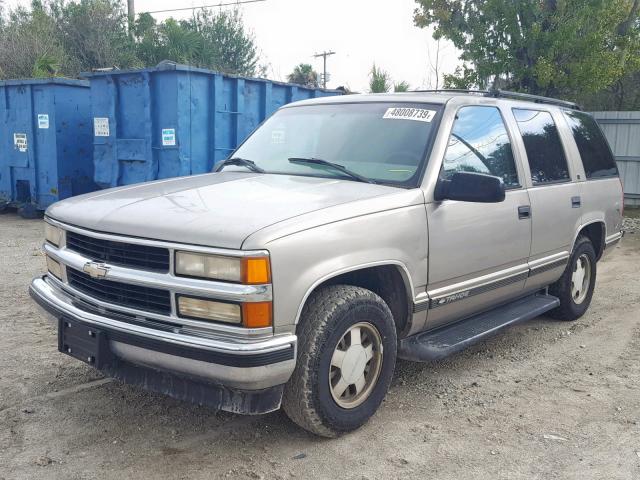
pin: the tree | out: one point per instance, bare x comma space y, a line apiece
93, 34
550, 47
401, 86
304, 74
218, 41
227, 45
379, 80
29, 45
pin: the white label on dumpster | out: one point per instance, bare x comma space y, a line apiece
101, 126
43, 120
20, 141
168, 137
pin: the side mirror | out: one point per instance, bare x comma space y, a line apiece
471, 187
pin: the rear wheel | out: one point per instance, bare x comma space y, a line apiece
346, 357
575, 287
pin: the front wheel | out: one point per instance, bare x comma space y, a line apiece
575, 287
346, 357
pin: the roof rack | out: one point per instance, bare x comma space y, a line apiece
497, 93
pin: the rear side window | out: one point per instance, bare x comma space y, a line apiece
546, 156
479, 143
595, 152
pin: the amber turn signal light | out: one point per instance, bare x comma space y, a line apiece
256, 270
257, 314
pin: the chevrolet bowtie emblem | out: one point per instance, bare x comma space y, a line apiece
95, 269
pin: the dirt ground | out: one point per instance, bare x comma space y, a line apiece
545, 400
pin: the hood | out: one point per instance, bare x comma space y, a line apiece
217, 210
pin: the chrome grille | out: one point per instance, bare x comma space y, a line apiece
124, 294
119, 253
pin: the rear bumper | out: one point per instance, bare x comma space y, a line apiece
234, 373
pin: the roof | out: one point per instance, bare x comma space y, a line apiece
437, 97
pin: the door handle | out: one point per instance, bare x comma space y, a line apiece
524, 211
576, 202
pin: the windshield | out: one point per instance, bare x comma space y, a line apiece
382, 142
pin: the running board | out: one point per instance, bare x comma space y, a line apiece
440, 343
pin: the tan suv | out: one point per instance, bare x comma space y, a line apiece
344, 233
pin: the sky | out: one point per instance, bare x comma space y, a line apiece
361, 32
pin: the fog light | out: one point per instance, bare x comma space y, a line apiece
54, 268
209, 310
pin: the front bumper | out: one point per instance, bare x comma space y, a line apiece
139, 352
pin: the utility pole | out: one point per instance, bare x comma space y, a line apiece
324, 56
131, 13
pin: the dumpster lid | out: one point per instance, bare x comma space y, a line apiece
45, 81
170, 66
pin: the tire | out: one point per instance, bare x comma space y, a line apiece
572, 307
328, 323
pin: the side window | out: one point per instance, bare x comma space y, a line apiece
543, 145
596, 155
479, 143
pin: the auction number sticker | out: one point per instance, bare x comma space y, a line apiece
408, 113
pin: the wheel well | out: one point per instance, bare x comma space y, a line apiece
385, 281
595, 233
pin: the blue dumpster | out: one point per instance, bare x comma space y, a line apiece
174, 120
45, 142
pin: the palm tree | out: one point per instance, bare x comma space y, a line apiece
305, 75
379, 81
401, 87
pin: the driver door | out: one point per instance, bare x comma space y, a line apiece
478, 252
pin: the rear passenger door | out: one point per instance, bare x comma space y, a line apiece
478, 252
554, 195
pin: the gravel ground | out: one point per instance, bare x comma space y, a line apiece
546, 399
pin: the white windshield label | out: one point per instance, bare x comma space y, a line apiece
407, 113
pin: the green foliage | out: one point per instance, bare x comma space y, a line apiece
379, 80
46, 66
551, 47
401, 86
218, 41
304, 74
227, 45
28, 41
66, 37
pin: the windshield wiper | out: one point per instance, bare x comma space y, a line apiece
335, 166
241, 162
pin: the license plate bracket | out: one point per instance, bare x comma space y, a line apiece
83, 342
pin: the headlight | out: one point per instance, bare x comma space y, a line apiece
53, 234
252, 270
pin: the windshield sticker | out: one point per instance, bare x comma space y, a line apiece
278, 136
403, 113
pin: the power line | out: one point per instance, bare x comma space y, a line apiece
324, 56
206, 6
